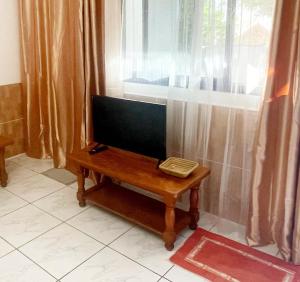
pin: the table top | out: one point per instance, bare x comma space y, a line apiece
137, 170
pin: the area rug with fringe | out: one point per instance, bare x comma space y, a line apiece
220, 259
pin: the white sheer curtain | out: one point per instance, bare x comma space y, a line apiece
206, 59
113, 47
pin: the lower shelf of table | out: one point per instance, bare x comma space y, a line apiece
135, 207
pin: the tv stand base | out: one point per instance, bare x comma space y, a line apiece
154, 215
161, 217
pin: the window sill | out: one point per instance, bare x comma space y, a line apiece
223, 99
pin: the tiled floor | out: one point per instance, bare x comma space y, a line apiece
46, 236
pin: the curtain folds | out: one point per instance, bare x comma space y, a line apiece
275, 196
209, 69
113, 47
220, 138
63, 65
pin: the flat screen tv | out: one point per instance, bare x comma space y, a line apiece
130, 125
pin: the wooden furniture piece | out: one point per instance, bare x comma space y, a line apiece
4, 141
115, 166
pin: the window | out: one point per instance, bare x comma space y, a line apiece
215, 45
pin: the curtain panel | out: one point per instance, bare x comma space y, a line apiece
63, 65
274, 215
206, 63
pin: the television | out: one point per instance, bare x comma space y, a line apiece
130, 125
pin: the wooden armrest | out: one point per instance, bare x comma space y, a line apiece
5, 141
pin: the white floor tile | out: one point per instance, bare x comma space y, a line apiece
206, 221
146, 248
5, 248
109, 265
35, 187
61, 249
88, 184
280, 256
231, 230
178, 274
100, 224
163, 280
9, 202
62, 204
269, 249
15, 267
21, 226
37, 165
17, 173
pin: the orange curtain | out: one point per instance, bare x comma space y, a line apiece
275, 197
63, 65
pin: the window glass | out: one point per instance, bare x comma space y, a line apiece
215, 45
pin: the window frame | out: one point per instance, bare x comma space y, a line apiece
215, 98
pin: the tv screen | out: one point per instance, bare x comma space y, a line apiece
130, 125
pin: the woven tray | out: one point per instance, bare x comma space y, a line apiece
178, 167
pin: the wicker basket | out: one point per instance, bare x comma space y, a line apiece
178, 167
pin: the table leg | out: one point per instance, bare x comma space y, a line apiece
194, 212
81, 189
102, 179
169, 235
3, 174
98, 178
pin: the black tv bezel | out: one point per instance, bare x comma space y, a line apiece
161, 155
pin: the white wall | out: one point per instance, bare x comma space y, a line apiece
9, 42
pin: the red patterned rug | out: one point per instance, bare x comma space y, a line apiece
220, 259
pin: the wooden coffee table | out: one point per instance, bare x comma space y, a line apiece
114, 166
